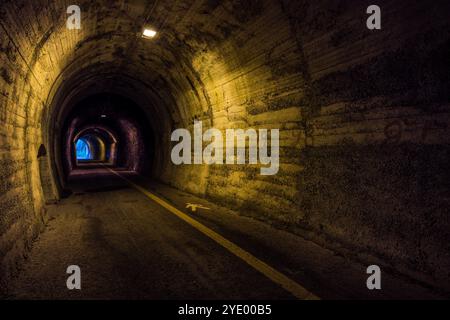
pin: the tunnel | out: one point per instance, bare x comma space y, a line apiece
105, 130
356, 117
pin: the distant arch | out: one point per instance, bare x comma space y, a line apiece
95, 144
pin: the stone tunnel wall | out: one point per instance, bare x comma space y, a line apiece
376, 167
364, 121
27, 71
363, 115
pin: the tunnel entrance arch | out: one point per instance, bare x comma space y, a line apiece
94, 145
134, 110
83, 149
45, 176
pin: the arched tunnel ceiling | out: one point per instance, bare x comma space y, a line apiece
109, 46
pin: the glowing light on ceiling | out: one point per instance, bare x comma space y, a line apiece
149, 33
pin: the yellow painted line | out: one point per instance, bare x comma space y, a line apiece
288, 284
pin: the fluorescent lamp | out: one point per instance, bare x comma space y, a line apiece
149, 33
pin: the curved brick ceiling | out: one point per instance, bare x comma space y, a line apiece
169, 70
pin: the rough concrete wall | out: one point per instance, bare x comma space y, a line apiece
26, 73
377, 132
35, 49
364, 121
248, 79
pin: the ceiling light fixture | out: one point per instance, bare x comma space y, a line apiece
148, 33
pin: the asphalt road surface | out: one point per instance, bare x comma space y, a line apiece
130, 247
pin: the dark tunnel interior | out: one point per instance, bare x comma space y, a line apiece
106, 130
92, 148
356, 121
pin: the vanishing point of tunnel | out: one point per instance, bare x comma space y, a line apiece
235, 149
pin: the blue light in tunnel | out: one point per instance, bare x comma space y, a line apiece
83, 150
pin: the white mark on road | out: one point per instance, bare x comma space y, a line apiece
277, 277
195, 206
